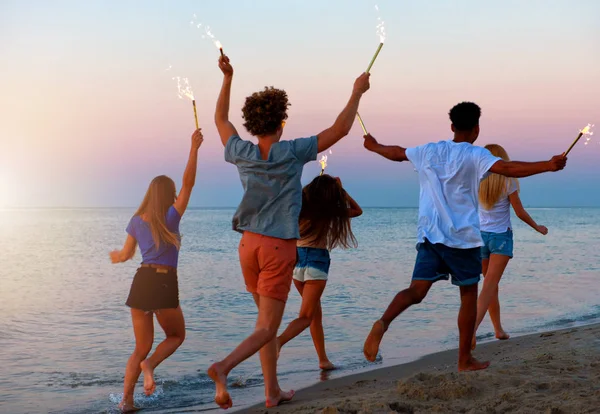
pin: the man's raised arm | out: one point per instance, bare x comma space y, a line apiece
391, 152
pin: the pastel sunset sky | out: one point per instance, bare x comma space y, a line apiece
89, 114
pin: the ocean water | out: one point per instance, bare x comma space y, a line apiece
66, 334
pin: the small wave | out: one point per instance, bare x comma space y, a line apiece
580, 319
76, 380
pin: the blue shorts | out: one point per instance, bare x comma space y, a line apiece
313, 264
497, 243
437, 261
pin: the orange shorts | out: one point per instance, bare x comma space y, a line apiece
267, 264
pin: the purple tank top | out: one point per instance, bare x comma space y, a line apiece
166, 254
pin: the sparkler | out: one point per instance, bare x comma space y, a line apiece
185, 90
362, 124
380, 29
585, 131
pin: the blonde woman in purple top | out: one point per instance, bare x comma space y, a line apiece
155, 290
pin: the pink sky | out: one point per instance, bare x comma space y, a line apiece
89, 114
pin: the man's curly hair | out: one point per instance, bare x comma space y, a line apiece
265, 111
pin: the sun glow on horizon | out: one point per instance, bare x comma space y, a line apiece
6, 190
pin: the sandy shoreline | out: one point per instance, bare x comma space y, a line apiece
553, 372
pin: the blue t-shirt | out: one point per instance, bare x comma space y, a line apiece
166, 254
272, 189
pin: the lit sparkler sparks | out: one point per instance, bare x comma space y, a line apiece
184, 89
323, 162
587, 131
380, 30
207, 33
220, 47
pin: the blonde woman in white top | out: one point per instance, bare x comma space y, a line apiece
497, 194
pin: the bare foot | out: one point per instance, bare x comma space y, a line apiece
148, 371
222, 397
501, 335
128, 407
281, 398
371, 347
472, 365
473, 343
326, 366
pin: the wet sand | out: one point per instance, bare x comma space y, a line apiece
553, 372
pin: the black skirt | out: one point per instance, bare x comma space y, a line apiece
154, 289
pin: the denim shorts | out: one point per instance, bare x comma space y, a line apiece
437, 262
313, 264
497, 243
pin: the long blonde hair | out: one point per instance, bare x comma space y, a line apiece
159, 197
494, 186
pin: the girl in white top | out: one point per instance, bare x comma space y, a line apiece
496, 195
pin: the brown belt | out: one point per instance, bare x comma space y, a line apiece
159, 268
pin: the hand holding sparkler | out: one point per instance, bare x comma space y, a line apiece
391, 152
558, 162
225, 66
362, 84
197, 139
370, 142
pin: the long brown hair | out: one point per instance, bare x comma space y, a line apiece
159, 197
494, 186
324, 217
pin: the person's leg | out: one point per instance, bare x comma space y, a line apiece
275, 260
311, 298
143, 329
274, 395
318, 337
270, 312
173, 324
429, 268
299, 283
495, 268
403, 300
494, 311
466, 326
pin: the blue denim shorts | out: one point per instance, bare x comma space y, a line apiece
437, 262
497, 243
313, 264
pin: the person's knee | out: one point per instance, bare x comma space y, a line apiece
179, 337
141, 351
305, 319
268, 330
417, 294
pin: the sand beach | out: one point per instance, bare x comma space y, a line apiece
552, 372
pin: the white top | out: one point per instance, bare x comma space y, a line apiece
497, 219
449, 175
